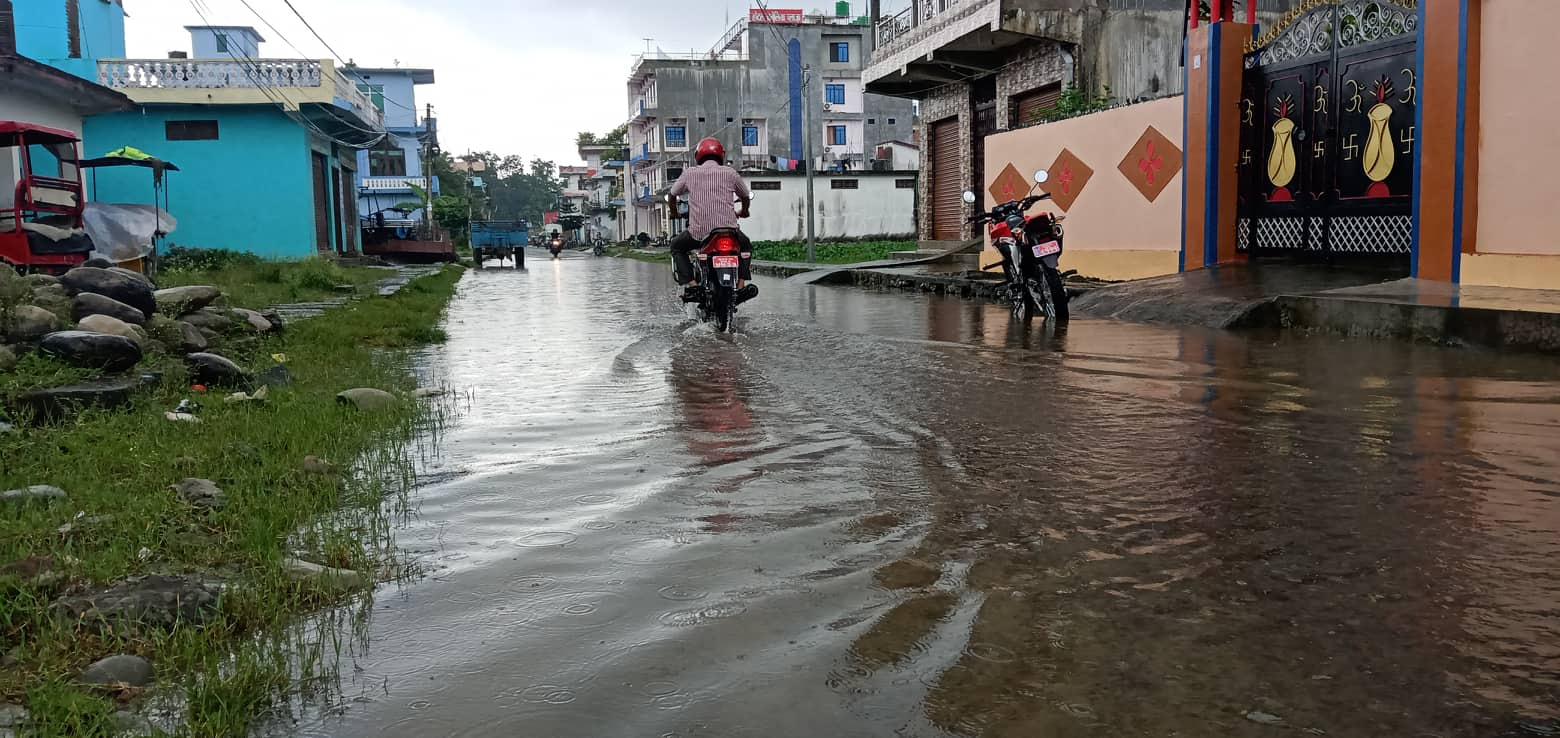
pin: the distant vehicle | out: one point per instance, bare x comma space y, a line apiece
41, 227
1031, 249
500, 239
556, 246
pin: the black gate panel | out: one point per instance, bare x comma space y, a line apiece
1328, 133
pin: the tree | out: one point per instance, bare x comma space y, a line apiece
453, 213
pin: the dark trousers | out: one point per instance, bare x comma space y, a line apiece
686, 244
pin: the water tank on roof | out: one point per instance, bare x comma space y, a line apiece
842, 9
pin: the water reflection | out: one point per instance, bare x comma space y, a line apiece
903, 515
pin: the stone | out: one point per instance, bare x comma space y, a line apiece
126, 289
135, 275
209, 319
191, 339
123, 670
276, 376
50, 293
328, 579
29, 323
98, 263
319, 466
278, 325
173, 417
57, 403
181, 300
202, 494
259, 395
92, 350
215, 371
367, 399
91, 303
13, 718
114, 327
140, 603
1264, 718
35, 493
254, 319
130, 725
7, 359
41, 280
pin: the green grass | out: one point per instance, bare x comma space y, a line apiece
844, 252
117, 467
661, 256
257, 283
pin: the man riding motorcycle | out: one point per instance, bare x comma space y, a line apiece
710, 187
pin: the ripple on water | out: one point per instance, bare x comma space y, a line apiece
596, 499
991, 652
532, 584
599, 525
548, 694
701, 615
682, 593
546, 539
572, 611
663, 550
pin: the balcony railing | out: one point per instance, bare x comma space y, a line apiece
901, 29
391, 184
287, 81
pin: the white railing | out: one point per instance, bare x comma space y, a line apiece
255, 74
897, 31
382, 184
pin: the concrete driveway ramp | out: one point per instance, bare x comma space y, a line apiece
1231, 296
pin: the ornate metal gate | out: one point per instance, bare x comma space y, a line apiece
1328, 131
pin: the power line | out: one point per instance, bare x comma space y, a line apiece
339, 58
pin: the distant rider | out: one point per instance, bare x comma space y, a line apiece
711, 187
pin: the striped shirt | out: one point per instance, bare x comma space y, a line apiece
710, 188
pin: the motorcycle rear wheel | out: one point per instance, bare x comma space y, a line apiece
722, 309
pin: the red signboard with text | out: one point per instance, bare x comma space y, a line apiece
776, 15
549, 218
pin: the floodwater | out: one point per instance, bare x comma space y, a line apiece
903, 515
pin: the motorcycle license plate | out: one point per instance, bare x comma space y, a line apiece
1047, 248
727, 262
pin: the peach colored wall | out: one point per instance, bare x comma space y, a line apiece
1109, 213
1519, 146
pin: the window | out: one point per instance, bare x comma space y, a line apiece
836, 135
839, 52
386, 160
676, 137
222, 43
731, 120
844, 184
750, 135
701, 119
891, 122
673, 174
834, 94
375, 93
771, 186
904, 184
872, 121
191, 130
73, 27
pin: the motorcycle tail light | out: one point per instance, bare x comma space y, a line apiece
723, 245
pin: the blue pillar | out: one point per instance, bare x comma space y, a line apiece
795, 53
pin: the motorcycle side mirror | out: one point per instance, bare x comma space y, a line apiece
1042, 176
969, 197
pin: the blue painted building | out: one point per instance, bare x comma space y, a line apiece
267, 148
388, 170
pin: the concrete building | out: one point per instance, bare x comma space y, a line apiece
388, 170
748, 91
34, 90
979, 67
604, 196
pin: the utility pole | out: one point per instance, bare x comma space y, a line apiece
807, 147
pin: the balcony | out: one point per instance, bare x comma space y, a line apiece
963, 30
305, 86
390, 184
643, 108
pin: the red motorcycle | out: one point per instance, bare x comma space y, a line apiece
1031, 249
719, 268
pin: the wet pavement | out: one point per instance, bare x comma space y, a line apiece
888, 514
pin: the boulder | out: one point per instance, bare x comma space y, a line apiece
41, 280
7, 359
141, 603
126, 289
216, 371
35, 493
209, 318
135, 275
191, 340
123, 670
325, 578
113, 327
57, 403
275, 319
276, 376
254, 319
29, 323
367, 399
91, 303
180, 300
92, 350
13, 720
131, 725
202, 494
98, 263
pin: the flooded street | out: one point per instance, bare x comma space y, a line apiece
904, 515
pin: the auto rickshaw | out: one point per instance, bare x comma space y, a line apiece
41, 222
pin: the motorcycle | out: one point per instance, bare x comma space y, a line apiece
600, 249
718, 264
1031, 249
556, 247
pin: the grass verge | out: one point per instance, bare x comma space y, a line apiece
248, 280
840, 252
125, 521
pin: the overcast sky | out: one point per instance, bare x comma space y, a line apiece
514, 76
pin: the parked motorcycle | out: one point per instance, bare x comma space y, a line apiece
1031, 249
718, 264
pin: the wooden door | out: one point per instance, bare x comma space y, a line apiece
947, 182
321, 204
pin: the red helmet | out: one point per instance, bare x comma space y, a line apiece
710, 148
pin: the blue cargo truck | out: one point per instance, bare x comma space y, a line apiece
500, 239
